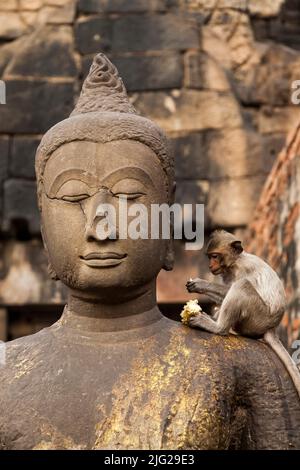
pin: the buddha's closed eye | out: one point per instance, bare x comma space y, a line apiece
74, 191
77, 191
129, 188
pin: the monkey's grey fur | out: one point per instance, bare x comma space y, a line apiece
252, 300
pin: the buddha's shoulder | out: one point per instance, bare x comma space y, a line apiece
22, 355
231, 351
194, 338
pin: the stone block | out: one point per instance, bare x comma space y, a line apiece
46, 53
146, 73
155, 32
23, 150
191, 159
277, 119
20, 206
25, 280
192, 192
204, 72
31, 4
231, 202
11, 25
225, 153
270, 80
60, 14
121, 6
4, 149
233, 153
265, 9
190, 110
93, 35
135, 33
8, 5
34, 106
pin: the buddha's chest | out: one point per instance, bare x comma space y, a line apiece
162, 407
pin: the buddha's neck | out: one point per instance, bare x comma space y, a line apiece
87, 313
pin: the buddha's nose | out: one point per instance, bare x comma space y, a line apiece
100, 223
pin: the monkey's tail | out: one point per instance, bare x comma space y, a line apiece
274, 342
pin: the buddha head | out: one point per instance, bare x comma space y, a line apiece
102, 154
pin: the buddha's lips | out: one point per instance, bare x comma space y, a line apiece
106, 255
103, 260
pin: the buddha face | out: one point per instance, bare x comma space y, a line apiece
79, 178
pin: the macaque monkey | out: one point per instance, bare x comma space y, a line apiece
252, 300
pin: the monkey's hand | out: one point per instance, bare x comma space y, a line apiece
197, 285
198, 320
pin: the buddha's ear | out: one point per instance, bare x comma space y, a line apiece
50, 269
173, 192
170, 257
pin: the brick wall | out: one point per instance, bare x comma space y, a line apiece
274, 233
209, 72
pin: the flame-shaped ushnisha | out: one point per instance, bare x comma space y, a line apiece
103, 90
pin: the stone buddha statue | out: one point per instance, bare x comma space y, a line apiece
113, 372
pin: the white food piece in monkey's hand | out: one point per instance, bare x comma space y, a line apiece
191, 309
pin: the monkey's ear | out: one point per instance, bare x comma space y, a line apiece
237, 246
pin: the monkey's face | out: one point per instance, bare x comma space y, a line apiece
215, 263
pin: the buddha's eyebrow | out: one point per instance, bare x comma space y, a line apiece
128, 172
75, 173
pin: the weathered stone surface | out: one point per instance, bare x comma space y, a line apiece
64, 14
135, 33
155, 32
31, 4
4, 147
203, 71
46, 53
192, 192
277, 119
231, 202
29, 18
272, 145
213, 4
211, 41
191, 159
93, 35
27, 261
23, 150
266, 8
6, 53
11, 26
146, 73
33, 98
20, 205
231, 153
7, 5
122, 6
269, 82
190, 110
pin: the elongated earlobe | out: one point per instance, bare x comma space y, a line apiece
50, 269
169, 258
51, 272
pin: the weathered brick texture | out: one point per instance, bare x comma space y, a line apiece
274, 232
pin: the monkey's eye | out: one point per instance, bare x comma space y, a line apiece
214, 256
